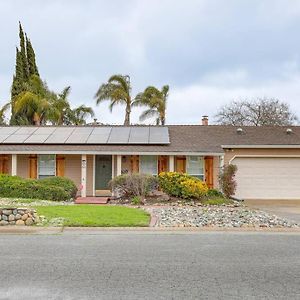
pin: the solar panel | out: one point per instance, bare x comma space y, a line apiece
36, 139
85, 135
26, 130
3, 137
16, 139
59, 136
119, 135
45, 130
99, 135
159, 135
139, 135
8, 130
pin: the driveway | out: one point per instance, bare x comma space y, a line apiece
150, 265
288, 209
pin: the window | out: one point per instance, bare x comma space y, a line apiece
148, 164
46, 165
195, 166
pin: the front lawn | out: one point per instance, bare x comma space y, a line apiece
95, 215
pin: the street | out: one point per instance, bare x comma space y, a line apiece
150, 265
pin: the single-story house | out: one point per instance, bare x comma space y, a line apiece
268, 158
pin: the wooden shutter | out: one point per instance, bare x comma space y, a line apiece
60, 165
3, 164
181, 164
33, 166
209, 171
134, 163
162, 163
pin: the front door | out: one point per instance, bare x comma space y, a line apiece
103, 172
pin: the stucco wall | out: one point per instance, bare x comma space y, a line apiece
216, 170
23, 165
90, 175
73, 168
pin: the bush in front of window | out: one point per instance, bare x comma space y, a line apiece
182, 185
130, 185
67, 184
17, 187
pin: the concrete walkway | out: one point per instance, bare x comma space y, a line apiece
288, 209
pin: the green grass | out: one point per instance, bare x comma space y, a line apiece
95, 215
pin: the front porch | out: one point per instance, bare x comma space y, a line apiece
92, 172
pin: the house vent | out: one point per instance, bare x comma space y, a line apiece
239, 130
289, 130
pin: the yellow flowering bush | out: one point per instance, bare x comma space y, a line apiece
182, 185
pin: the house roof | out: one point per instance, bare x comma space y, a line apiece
210, 139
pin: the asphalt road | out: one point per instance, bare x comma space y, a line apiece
147, 265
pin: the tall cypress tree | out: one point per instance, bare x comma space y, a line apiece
18, 79
32, 67
23, 52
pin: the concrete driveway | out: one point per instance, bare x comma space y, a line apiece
288, 209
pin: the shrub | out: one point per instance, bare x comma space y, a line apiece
136, 200
129, 185
182, 185
17, 187
227, 180
67, 184
214, 193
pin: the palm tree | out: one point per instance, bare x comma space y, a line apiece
67, 115
118, 91
3, 110
79, 114
156, 101
34, 106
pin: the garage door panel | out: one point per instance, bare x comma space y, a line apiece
268, 178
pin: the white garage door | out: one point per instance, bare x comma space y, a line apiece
267, 178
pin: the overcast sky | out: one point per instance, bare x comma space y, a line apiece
209, 52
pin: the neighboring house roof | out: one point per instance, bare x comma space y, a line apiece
209, 139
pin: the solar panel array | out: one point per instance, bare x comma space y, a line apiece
84, 135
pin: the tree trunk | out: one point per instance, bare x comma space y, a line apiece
127, 115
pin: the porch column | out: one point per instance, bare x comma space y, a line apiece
171, 163
83, 175
119, 165
14, 164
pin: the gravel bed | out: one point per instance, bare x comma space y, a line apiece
9, 202
216, 216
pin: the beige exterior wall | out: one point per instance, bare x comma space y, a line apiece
73, 169
90, 176
230, 154
216, 170
22, 165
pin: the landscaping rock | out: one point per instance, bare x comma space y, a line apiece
218, 216
20, 222
6, 212
18, 216
4, 218
29, 221
11, 217
3, 223
24, 217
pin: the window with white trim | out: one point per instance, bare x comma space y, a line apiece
148, 164
195, 166
46, 165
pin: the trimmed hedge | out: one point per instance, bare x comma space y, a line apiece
55, 189
182, 185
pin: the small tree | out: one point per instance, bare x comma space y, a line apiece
227, 180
